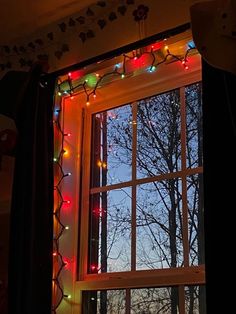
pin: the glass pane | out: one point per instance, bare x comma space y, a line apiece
158, 128
193, 94
159, 225
104, 302
111, 146
154, 300
110, 229
195, 219
116, 301
195, 300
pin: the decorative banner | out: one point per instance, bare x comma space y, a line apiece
83, 26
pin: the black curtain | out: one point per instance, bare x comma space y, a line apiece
31, 225
219, 116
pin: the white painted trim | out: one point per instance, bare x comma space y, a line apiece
165, 78
144, 278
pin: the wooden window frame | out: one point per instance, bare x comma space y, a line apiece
165, 79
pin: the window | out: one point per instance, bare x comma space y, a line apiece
137, 200
146, 206
145, 184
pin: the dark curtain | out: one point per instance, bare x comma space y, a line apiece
31, 225
219, 115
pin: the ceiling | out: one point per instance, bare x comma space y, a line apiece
20, 18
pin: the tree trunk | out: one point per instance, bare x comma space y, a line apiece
191, 300
173, 245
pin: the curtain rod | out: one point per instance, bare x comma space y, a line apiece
119, 51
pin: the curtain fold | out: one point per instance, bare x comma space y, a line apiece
31, 225
219, 144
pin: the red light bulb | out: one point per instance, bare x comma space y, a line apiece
66, 262
94, 268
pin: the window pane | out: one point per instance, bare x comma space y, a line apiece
195, 300
110, 229
195, 219
158, 127
104, 302
194, 125
154, 300
159, 226
111, 146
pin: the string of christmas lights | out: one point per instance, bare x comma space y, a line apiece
59, 262
138, 61
148, 60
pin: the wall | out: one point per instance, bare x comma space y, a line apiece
93, 31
